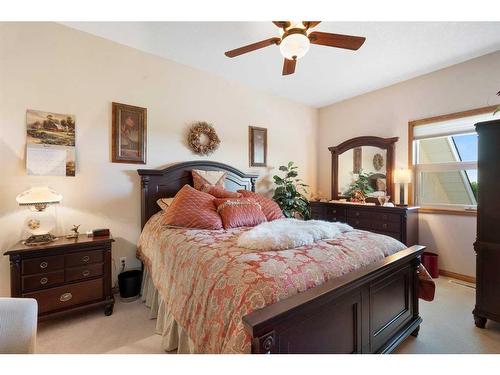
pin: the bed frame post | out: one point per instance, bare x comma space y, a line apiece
416, 263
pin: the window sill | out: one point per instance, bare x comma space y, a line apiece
443, 211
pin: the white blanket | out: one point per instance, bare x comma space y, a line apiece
289, 233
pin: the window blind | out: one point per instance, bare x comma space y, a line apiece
451, 127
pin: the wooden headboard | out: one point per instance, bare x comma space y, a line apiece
165, 183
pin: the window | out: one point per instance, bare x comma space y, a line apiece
444, 156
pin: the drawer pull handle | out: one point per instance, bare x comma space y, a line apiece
65, 297
85, 273
384, 226
44, 265
85, 259
44, 280
357, 213
334, 219
334, 211
357, 222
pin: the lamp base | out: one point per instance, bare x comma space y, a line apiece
39, 239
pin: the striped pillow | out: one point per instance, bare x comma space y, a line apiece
193, 209
269, 207
239, 212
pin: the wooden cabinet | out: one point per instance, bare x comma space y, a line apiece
63, 276
487, 245
400, 223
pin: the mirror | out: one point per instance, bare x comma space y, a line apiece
363, 163
365, 167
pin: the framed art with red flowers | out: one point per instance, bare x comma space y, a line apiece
129, 125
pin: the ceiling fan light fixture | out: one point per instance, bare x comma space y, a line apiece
294, 46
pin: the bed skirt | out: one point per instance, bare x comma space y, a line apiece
175, 338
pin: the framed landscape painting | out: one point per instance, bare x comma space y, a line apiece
128, 134
257, 139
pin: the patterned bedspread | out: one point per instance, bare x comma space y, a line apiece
209, 284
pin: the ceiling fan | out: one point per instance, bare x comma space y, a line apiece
295, 40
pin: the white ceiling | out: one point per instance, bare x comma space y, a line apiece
393, 52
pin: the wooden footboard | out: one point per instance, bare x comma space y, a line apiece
367, 311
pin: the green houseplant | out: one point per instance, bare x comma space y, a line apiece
362, 183
289, 195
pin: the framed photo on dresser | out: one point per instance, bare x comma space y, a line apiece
129, 125
257, 144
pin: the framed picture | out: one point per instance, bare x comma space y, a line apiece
257, 143
129, 134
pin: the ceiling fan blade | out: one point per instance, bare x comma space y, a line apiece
252, 47
282, 24
336, 40
289, 67
311, 24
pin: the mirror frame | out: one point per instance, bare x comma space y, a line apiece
387, 144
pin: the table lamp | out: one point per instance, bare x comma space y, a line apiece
40, 222
402, 177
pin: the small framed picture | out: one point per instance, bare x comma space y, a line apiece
257, 143
129, 134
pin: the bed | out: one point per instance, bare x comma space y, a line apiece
369, 306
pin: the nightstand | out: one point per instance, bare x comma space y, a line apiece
64, 276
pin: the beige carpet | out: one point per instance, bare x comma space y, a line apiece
448, 327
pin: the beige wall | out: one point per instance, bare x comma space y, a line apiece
386, 113
53, 68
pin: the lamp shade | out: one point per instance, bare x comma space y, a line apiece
38, 196
402, 176
294, 46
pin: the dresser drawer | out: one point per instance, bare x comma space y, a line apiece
69, 295
42, 281
83, 258
85, 272
42, 265
374, 224
377, 216
335, 213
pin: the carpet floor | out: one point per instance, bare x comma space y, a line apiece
448, 327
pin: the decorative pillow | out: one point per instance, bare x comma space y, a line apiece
164, 203
239, 212
193, 209
201, 178
268, 206
219, 191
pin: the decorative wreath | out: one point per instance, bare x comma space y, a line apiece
195, 142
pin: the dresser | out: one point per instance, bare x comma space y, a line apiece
487, 245
400, 223
64, 276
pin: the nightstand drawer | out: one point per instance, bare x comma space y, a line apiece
84, 257
42, 281
68, 295
81, 273
45, 264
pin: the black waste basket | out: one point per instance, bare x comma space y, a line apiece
129, 283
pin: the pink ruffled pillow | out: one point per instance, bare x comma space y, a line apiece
193, 209
239, 212
269, 207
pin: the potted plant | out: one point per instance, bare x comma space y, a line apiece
289, 195
361, 184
